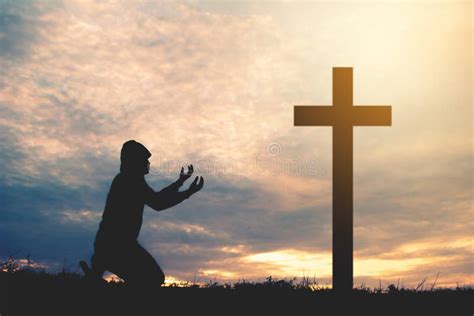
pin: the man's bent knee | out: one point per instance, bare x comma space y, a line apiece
97, 265
159, 278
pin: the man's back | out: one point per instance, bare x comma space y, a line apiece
123, 213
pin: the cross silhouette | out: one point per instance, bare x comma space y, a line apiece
342, 116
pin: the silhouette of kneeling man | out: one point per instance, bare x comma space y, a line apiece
116, 248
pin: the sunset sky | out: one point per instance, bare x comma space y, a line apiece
214, 84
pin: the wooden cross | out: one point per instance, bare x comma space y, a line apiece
342, 116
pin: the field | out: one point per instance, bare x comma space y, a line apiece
36, 292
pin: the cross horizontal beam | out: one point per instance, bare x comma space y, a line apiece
361, 115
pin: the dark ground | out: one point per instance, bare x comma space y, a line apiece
68, 294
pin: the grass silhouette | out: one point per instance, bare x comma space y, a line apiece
31, 290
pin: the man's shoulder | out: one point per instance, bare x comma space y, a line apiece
117, 179
121, 180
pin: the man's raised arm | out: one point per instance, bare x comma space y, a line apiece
183, 176
170, 196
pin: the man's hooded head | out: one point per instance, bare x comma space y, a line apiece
134, 158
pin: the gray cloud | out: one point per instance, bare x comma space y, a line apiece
18, 22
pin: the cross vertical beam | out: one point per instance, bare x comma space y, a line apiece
342, 177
